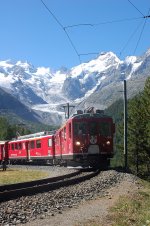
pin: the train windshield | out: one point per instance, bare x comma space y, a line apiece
93, 128
80, 128
105, 128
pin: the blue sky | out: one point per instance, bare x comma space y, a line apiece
30, 33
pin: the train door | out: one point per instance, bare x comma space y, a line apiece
5, 151
61, 143
69, 134
58, 145
65, 150
1, 151
64, 142
27, 146
50, 147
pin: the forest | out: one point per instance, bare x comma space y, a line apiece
138, 132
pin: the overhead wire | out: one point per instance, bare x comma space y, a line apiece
141, 32
96, 24
85, 54
145, 17
63, 28
131, 36
102, 23
70, 40
52, 14
136, 8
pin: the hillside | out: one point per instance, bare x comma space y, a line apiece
10, 105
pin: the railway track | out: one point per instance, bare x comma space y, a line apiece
14, 191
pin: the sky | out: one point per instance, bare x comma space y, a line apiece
39, 34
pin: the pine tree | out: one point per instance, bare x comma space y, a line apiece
3, 128
146, 109
139, 131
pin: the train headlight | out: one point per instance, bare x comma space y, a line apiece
78, 143
108, 142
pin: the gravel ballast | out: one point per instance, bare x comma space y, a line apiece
50, 204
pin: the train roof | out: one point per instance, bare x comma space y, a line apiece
3, 141
86, 116
35, 135
89, 115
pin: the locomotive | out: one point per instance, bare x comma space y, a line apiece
86, 139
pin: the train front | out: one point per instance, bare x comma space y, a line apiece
93, 139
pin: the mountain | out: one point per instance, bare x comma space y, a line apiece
10, 104
97, 83
18, 113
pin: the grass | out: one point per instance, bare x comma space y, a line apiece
12, 176
130, 211
133, 211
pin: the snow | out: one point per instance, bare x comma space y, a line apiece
43, 71
58, 77
45, 107
130, 60
48, 84
6, 64
135, 66
22, 64
6, 81
100, 64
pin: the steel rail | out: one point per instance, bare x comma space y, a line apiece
16, 186
48, 186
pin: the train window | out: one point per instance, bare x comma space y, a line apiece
38, 143
105, 128
93, 128
69, 130
23, 145
64, 133
49, 142
16, 146
19, 146
31, 144
12, 146
80, 128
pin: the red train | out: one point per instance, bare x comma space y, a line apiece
86, 139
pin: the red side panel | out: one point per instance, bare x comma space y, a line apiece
63, 141
41, 147
4, 151
1, 152
17, 149
58, 144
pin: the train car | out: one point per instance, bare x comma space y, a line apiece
17, 151
3, 151
32, 147
86, 139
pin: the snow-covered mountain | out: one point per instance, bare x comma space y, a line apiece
96, 82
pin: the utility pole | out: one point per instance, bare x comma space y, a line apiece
67, 112
125, 126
